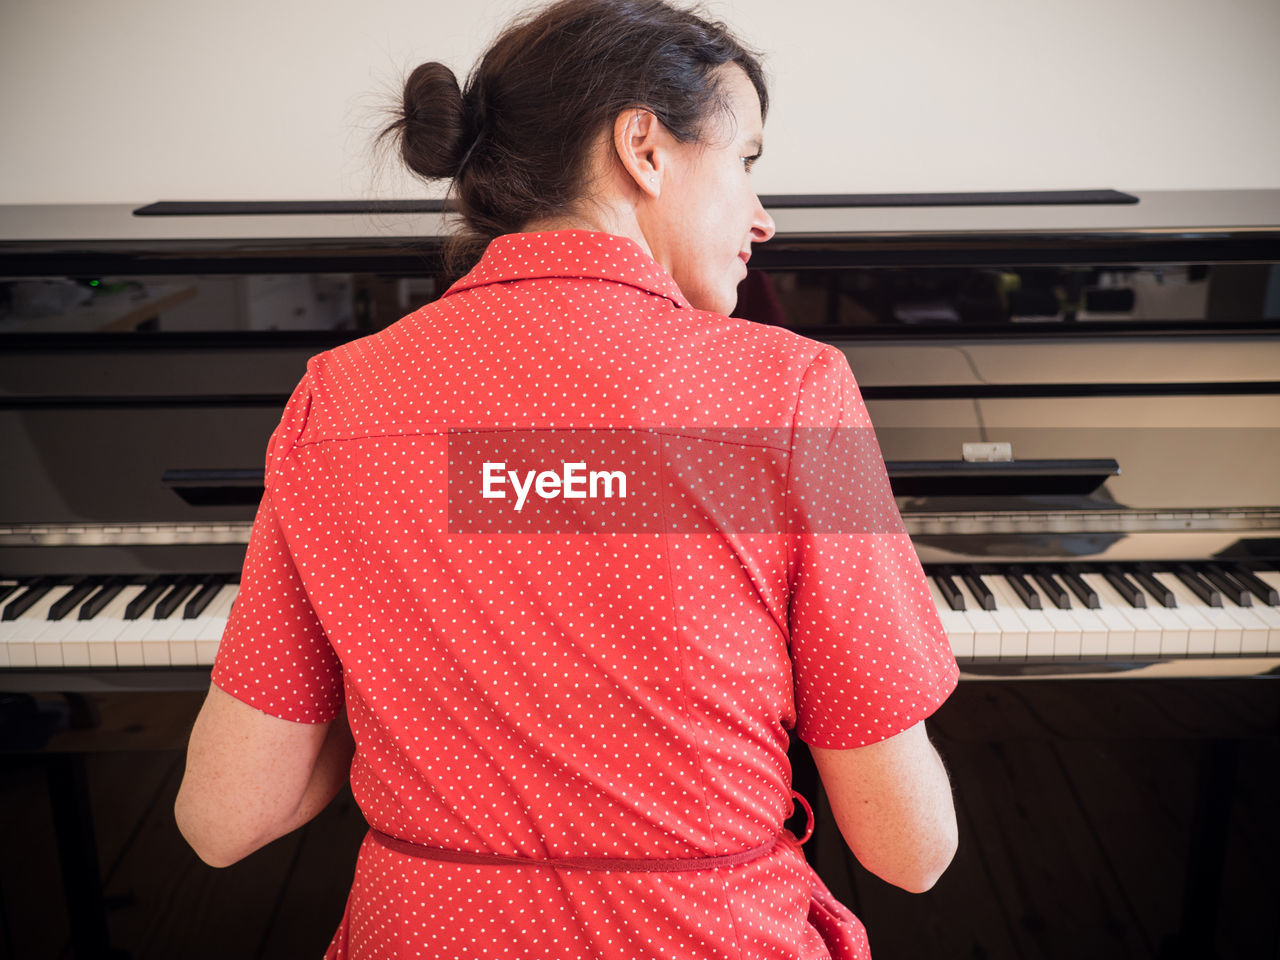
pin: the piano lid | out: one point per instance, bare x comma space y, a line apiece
1156, 212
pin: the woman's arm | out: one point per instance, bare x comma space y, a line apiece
892, 802
252, 777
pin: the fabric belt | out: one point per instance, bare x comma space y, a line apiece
639, 864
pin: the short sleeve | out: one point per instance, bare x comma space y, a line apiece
869, 654
274, 654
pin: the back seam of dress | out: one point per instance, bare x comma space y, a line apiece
685, 673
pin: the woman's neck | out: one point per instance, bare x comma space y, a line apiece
601, 219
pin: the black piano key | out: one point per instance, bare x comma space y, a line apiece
109, 590
209, 588
28, 598
8, 589
1124, 586
80, 589
174, 598
1027, 593
947, 587
973, 580
1201, 589
139, 604
1145, 575
1261, 589
1084, 593
1052, 589
1237, 594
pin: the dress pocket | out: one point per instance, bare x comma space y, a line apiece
843, 933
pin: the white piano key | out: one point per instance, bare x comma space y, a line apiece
1147, 628
1200, 631
185, 641
1253, 629
61, 643
19, 636
1078, 631
102, 629
1121, 632
1268, 614
1067, 631
219, 610
109, 625
1092, 637
1224, 632
214, 624
1175, 634
959, 630
207, 649
1271, 617
75, 646
1013, 630
57, 645
220, 606
129, 640
1039, 633
5, 625
986, 634
155, 641
1158, 631
182, 644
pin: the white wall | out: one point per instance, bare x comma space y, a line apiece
143, 100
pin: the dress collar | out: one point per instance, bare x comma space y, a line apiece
581, 254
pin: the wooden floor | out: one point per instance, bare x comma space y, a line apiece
1075, 842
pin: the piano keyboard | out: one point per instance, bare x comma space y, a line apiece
1102, 611
1035, 613
113, 622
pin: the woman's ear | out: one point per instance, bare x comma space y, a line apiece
640, 140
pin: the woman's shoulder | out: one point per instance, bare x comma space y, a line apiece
773, 347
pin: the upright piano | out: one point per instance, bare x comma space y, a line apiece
1077, 394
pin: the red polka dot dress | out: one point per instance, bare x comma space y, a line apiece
549, 694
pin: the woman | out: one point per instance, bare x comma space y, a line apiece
617, 704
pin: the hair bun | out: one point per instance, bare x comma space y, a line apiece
432, 124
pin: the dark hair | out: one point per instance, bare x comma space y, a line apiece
516, 140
